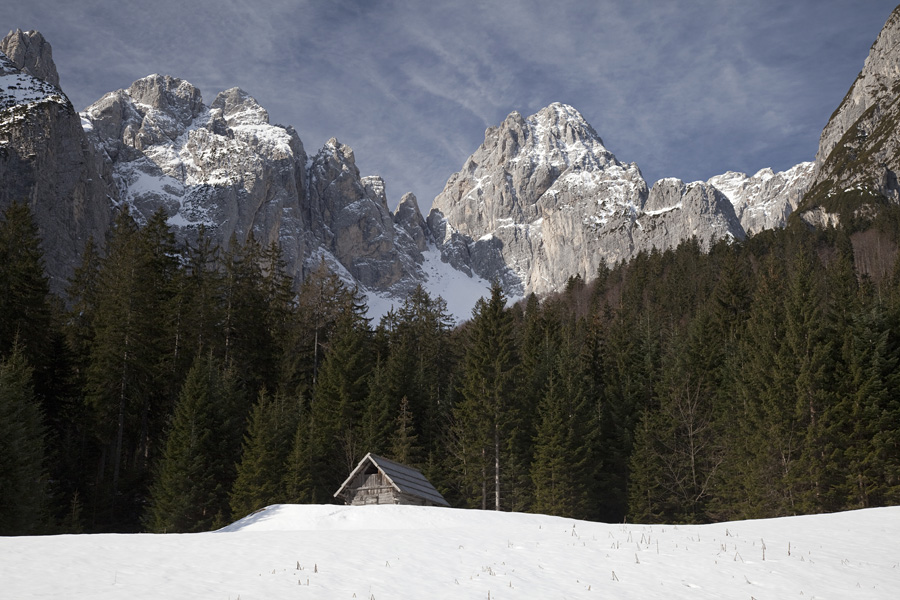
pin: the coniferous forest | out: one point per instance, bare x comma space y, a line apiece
180, 387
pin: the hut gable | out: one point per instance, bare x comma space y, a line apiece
377, 480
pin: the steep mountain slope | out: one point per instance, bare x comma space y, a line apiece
226, 168
45, 158
542, 200
859, 151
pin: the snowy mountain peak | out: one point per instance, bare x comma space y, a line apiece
240, 108
30, 52
564, 122
549, 172
557, 135
766, 199
171, 96
20, 88
334, 150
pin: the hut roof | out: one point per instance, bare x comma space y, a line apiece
405, 480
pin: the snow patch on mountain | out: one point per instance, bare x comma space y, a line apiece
460, 291
19, 90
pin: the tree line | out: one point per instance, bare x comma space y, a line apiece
178, 387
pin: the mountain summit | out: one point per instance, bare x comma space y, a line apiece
542, 200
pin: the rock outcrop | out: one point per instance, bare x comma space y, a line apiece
226, 168
223, 166
31, 53
859, 151
542, 200
766, 199
46, 160
357, 227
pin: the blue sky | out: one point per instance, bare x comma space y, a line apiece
685, 88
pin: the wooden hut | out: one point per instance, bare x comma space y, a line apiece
377, 480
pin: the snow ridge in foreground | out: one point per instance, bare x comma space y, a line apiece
318, 551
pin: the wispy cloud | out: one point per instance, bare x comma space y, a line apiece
686, 89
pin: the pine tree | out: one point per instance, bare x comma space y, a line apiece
765, 438
190, 492
83, 294
486, 417
338, 404
404, 442
861, 428
158, 288
420, 361
298, 488
810, 353
631, 355
323, 297
120, 375
196, 307
249, 347
564, 458
267, 445
680, 444
23, 498
25, 316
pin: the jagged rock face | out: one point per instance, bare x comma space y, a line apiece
223, 166
765, 200
859, 148
357, 226
46, 161
676, 211
526, 208
542, 200
31, 53
409, 219
226, 168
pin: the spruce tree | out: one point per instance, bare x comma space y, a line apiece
765, 438
298, 488
564, 458
322, 298
338, 404
861, 427
23, 496
631, 355
267, 444
404, 443
680, 443
486, 417
196, 307
810, 352
25, 315
121, 372
190, 492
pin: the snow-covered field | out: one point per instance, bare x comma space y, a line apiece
386, 552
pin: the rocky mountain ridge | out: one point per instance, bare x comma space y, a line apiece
542, 199
45, 157
226, 168
859, 151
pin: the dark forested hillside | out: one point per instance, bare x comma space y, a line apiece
176, 388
